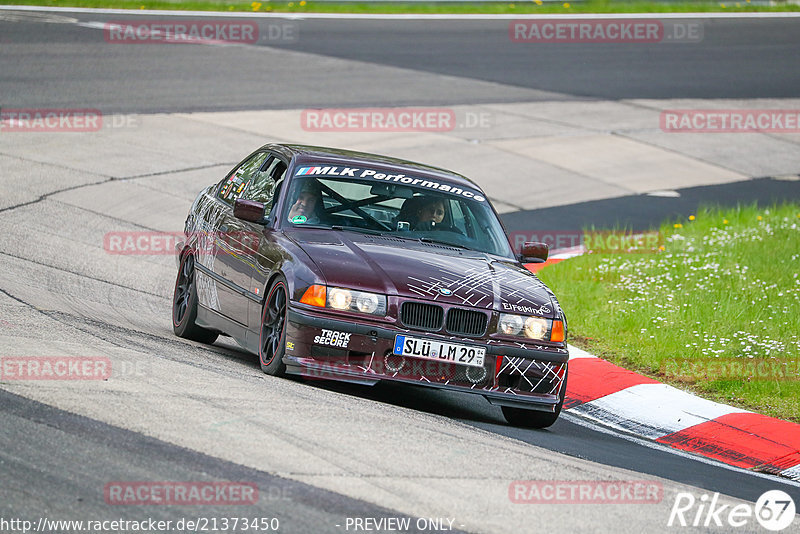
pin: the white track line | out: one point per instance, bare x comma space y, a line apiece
653, 410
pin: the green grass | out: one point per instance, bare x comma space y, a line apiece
723, 294
530, 6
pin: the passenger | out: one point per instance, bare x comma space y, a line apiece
408, 213
430, 214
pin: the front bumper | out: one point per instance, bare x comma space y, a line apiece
328, 348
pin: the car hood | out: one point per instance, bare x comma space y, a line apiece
425, 271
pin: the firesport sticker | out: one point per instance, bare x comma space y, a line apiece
357, 172
333, 338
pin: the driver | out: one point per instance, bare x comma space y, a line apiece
306, 205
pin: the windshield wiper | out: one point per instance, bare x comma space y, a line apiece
358, 229
442, 242
314, 226
341, 228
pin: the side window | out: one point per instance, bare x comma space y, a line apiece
237, 183
266, 181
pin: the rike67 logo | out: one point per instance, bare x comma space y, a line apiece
774, 511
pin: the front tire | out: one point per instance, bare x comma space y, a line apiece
272, 340
184, 305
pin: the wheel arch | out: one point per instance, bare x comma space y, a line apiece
298, 277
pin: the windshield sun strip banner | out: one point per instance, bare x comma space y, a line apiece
372, 174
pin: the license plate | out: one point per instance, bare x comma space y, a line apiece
437, 350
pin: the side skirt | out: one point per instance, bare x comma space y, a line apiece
212, 320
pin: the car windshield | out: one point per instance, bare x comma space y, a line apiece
425, 210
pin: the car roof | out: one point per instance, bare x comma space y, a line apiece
307, 153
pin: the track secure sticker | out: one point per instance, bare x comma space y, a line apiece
299, 219
333, 338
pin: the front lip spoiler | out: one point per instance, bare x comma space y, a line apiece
296, 367
297, 316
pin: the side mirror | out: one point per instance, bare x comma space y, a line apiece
533, 252
248, 210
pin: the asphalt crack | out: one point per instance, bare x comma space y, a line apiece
107, 179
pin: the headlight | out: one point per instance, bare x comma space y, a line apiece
510, 325
343, 299
358, 301
529, 327
367, 302
536, 327
339, 299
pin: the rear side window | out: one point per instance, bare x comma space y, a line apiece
265, 182
237, 182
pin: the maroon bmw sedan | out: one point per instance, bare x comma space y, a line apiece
341, 265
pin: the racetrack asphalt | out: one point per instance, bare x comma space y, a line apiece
188, 411
404, 62
646, 212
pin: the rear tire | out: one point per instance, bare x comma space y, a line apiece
532, 418
184, 305
272, 339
